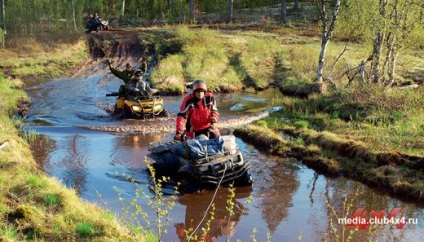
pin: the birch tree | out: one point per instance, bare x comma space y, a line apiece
3, 32
191, 10
378, 42
73, 15
123, 8
328, 27
230, 11
396, 19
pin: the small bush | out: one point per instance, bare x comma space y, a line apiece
52, 199
37, 182
85, 229
301, 124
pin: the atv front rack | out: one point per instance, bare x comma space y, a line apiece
227, 166
159, 148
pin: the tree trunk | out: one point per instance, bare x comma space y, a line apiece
169, 5
230, 11
321, 60
3, 11
123, 7
327, 32
283, 12
73, 15
376, 57
296, 5
391, 39
393, 61
378, 44
191, 10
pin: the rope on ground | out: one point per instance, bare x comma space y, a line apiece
210, 204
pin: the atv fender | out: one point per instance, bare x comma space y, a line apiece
186, 180
185, 170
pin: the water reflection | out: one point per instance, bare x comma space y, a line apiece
276, 192
217, 213
343, 197
131, 149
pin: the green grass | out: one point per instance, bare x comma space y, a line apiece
45, 64
386, 121
169, 74
52, 199
301, 124
85, 229
234, 60
37, 181
229, 60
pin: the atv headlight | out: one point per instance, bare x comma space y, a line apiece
136, 108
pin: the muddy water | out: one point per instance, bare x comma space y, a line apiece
287, 200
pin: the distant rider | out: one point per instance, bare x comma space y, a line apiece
198, 113
125, 75
97, 19
137, 86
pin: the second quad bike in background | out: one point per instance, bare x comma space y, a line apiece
138, 107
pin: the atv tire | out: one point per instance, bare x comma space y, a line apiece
164, 113
188, 183
244, 181
126, 114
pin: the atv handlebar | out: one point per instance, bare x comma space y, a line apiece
113, 94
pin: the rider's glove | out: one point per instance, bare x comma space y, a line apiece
214, 120
177, 136
137, 90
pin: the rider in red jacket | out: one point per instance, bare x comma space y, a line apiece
198, 113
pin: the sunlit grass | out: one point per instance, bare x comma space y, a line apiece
169, 74
52, 199
85, 229
231, 60
50, 63
386, 121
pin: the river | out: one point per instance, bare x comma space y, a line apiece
288, 201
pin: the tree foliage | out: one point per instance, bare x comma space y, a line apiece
388, 26
28, 16
361, 19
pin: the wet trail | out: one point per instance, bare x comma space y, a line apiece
87, 149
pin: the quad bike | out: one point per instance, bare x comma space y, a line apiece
198, 164
97, 25
138, 107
